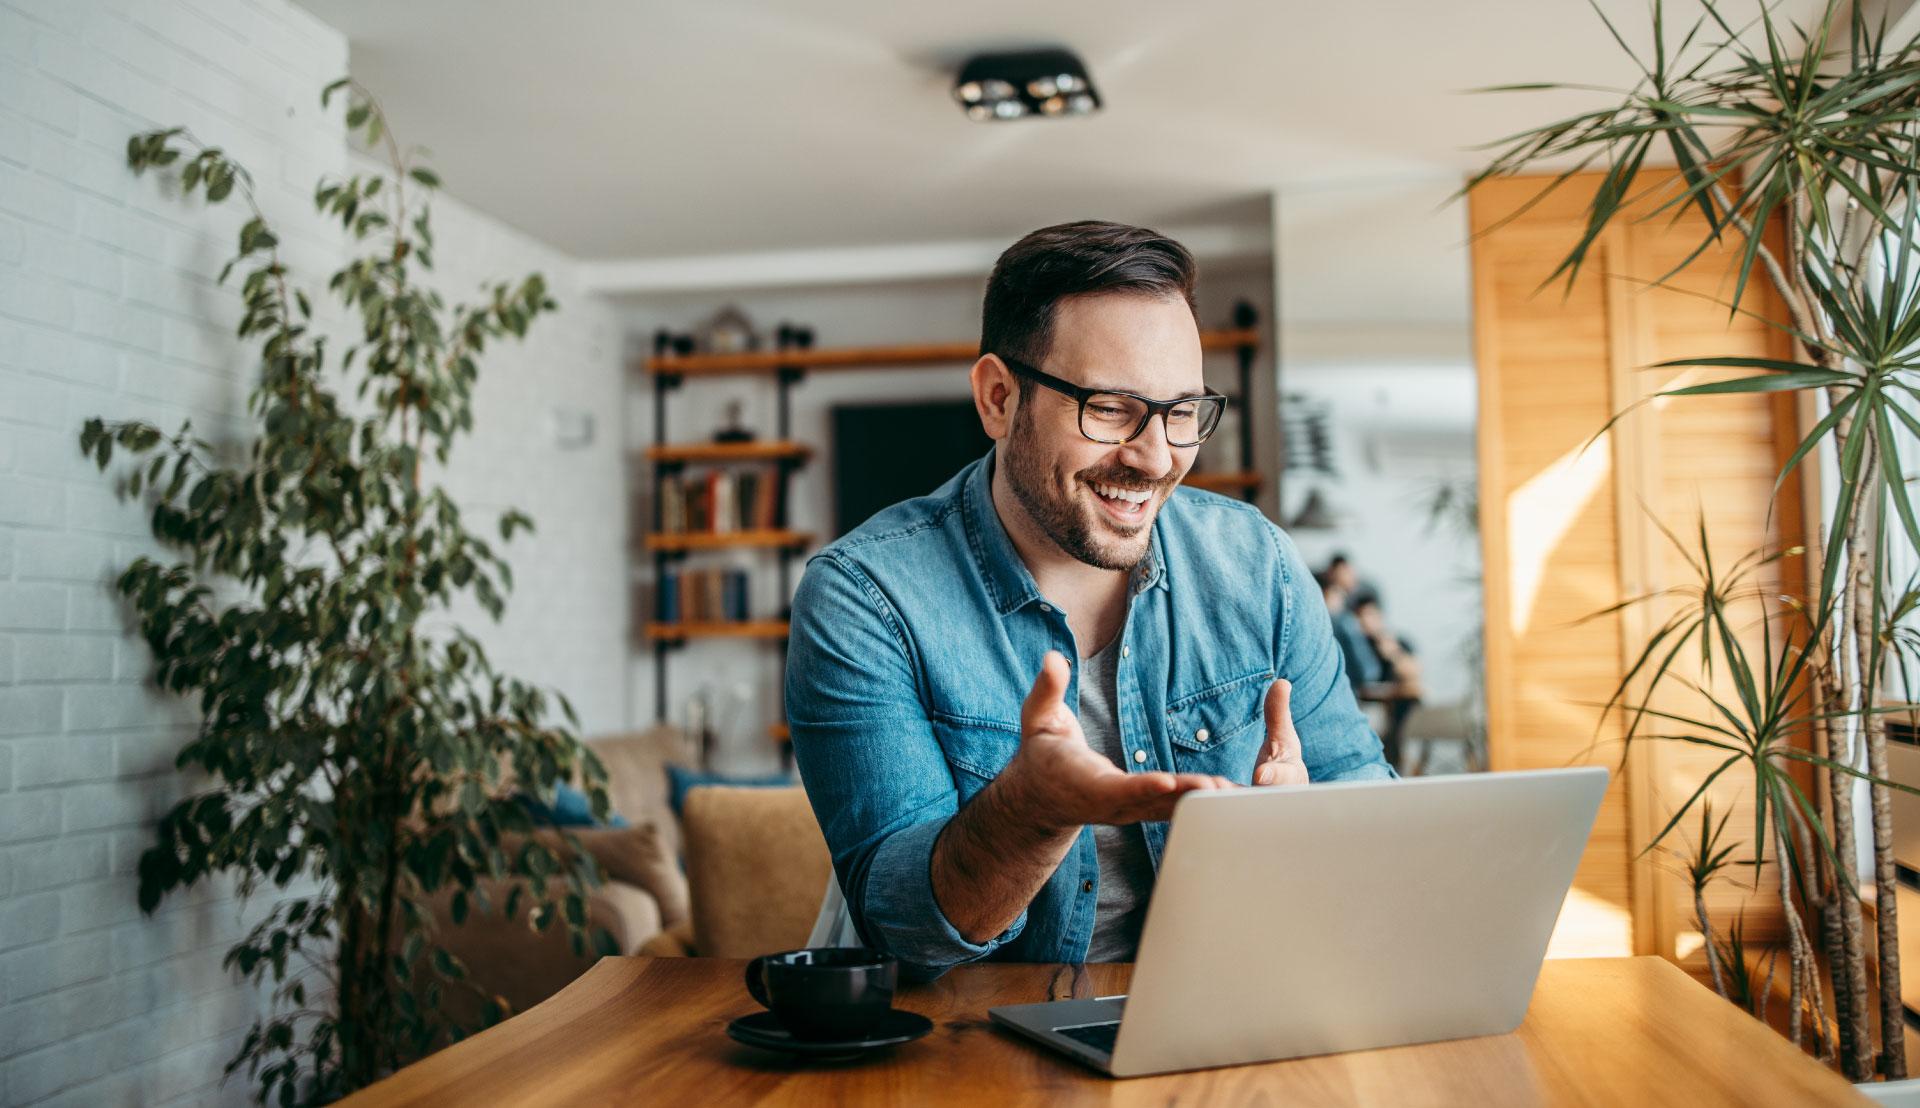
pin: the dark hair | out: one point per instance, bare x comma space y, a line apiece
1364, 598
1074, 259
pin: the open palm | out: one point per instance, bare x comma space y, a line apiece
1068, 783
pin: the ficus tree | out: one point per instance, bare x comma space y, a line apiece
358, 758
1797, 145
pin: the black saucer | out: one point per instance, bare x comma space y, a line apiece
764, 1030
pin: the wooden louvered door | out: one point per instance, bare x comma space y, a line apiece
1568, 523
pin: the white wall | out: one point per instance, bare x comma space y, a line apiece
1376, 322
844, 315
107, 308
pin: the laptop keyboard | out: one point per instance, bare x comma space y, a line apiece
1099, 1036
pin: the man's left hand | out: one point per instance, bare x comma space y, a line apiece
1281, 762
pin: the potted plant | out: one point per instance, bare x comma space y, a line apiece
1810, 130
360, 755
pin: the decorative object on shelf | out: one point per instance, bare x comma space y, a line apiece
1025, 84
735, 429
729, 332
791, 336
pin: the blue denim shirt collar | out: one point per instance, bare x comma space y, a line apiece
1008, 580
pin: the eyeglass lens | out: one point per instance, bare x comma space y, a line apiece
1115, 417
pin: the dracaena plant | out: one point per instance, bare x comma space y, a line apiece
1799, 146
357, 754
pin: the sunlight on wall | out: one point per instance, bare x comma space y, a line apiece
1541, 512
1589, 927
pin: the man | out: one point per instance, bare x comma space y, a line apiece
998, 691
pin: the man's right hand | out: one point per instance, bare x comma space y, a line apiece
1059, 783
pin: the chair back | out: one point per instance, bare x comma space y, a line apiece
756, 863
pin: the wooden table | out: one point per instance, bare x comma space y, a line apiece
1602, 1031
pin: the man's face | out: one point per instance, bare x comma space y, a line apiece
1097, 501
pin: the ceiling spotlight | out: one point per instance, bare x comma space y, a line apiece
1030, 82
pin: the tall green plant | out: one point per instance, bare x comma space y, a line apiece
361, 755
1811, 130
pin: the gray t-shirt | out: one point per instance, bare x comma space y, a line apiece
1126, 869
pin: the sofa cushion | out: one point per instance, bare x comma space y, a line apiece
636, 773
682, 780
640, 856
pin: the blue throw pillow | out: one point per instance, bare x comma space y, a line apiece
570, 808
681, 781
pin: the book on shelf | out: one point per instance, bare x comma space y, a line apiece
706, 595
717, 502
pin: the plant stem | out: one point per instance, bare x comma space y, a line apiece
1849, 970
1862, 548
1713, 955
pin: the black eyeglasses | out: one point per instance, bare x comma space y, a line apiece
1113, 417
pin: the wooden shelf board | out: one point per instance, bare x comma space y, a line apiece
702, 540
870, 357
743, 629
729, 451
1214, 482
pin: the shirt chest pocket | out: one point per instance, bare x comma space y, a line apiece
1220, 730
976, 750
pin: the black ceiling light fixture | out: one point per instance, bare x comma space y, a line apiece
1025, 83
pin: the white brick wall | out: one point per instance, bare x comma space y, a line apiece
108, 308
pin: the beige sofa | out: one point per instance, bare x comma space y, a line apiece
756, 866
645, 891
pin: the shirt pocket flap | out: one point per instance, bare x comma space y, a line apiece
978, 747
1213, 717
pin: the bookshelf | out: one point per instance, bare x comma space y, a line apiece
886, 357
720, 629
662, 542
782, 456
717, 453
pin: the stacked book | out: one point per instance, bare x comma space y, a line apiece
702, 596
717, 502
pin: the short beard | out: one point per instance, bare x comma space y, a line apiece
1063, 520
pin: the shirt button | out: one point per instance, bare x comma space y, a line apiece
1125, 650
1139, 756
1200, 736
1046, 607
1086, 886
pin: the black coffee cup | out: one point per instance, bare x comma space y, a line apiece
825, 994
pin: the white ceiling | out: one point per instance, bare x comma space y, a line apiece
649, 130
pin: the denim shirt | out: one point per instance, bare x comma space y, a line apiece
916, 637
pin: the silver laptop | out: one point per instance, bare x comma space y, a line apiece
1348, 916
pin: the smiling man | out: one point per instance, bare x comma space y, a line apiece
997, 692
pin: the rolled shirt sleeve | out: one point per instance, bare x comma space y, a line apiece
874, 771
